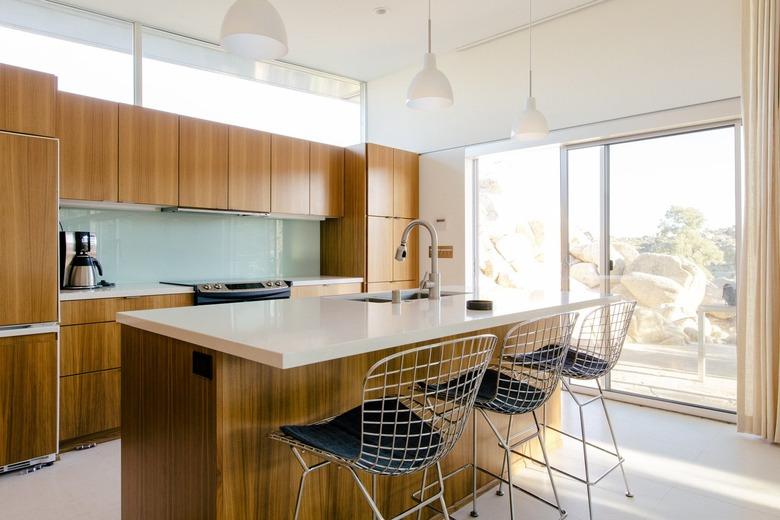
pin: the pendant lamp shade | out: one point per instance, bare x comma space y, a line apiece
530, 124
430, 89
253, 29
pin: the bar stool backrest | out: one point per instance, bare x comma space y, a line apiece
531, 360
598, 346
404, 428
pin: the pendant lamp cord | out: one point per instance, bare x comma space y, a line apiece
530, 43
429, 26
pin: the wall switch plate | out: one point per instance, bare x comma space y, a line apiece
444, 251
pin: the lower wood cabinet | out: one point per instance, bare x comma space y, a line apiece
89, 403
308, 291
28, 397
90, 364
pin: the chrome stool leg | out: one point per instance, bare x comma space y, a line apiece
474, 513
614, 440
585, 457
542, 440
445, 513
306, 470
500, 491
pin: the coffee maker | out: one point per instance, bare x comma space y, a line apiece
79, 267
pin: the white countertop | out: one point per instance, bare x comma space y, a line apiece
152, 289
292, 333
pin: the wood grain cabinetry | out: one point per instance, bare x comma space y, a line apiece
309, 291
249, 170
27, 101
289, 175
28, 227
380, 180
90, 364
148, 156
28, 386
326, 180
381, 249
88, 130
406, 181
203, 164
409, 269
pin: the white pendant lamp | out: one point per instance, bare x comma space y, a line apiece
430, 89
253, 29
531, 124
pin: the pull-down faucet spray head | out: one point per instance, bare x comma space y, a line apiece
400, 252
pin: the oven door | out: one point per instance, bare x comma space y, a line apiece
211, 298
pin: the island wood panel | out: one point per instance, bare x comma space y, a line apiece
229, 422
289, 175
88, 130
203, 164
75, 312
343, 240
28, 397
89, 348
28, 228
89, 403
380, 180
148, 156
308, 291
27, 101
249, 170
381, 249
326, 180
406, 184
409, 269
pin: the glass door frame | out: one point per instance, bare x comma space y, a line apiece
605, 242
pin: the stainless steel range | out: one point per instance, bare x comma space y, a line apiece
233, 291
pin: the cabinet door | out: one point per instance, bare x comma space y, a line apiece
28, 230
88, 129
289, 175
27, 101
380, 180
249, 177
203, 164
148, 156
409, 269
326, 192
89, 403
28, 397
406, 181
381, 249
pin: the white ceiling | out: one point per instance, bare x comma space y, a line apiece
345, 37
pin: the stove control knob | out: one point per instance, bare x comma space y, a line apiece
218, 286
279, 283
207, 287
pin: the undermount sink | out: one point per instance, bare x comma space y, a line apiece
405, 297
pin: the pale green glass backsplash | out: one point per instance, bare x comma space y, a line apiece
145, 246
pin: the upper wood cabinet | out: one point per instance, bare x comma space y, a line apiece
327, 180
148, 156
28, 228
88, 130
406, 181
380, 180
27, 101
28, 397
249, 177
289, 175
381, 249
409, 269
203, 164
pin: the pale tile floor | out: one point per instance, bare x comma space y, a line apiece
679, 467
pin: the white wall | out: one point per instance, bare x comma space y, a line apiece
616, 59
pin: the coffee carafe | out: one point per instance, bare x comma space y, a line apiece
84, 272
79, 269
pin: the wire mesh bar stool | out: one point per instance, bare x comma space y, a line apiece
399, 429
593, 353
521, 380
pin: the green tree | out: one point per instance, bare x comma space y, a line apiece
681, 232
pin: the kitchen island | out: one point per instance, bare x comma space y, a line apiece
202, 387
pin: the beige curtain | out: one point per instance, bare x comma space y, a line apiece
758, 403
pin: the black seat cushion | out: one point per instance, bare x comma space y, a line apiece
577, 364
394, 438
504, 394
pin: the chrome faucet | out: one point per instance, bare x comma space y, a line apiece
431, 281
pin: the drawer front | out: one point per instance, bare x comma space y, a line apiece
89, 348
89, 403
307, 291
77, 312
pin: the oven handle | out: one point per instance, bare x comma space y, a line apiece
240, 296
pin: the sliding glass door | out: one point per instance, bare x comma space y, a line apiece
655, 219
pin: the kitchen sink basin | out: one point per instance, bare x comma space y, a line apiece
405, 297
